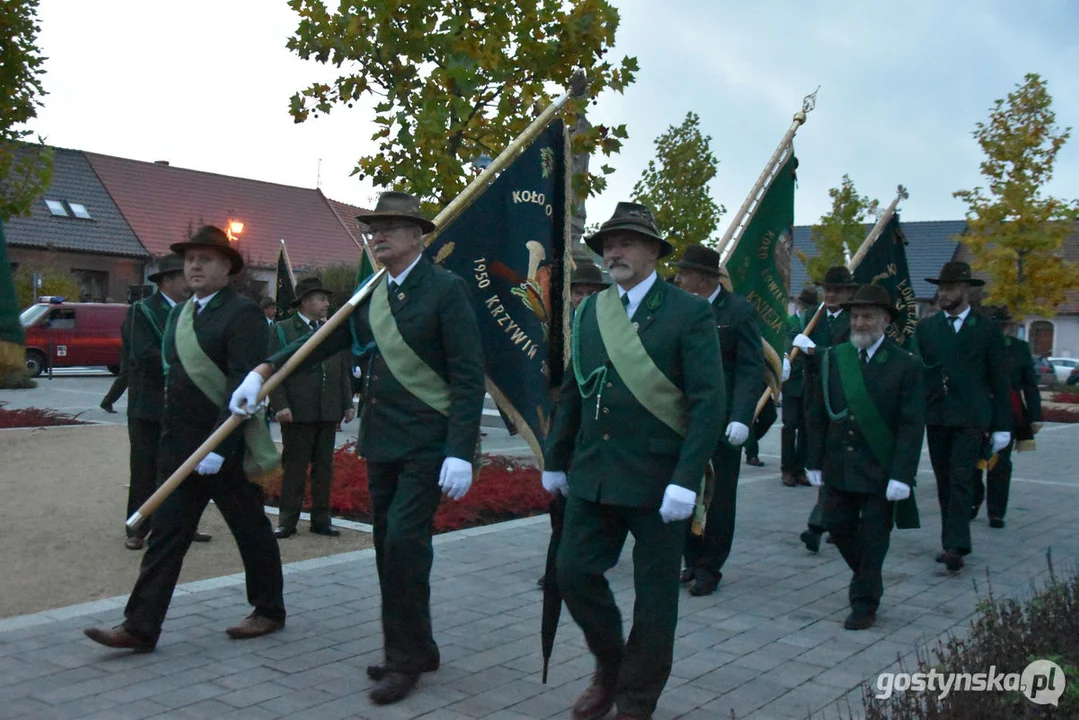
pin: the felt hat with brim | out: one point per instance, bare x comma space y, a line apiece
168, 264
1002, 315
838, 276
215, 238
587, 274
873, 295
307, 286
956, 272
398, 206
700, 258
633, 218
267, 302
809, 297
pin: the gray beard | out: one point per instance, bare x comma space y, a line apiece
864, 341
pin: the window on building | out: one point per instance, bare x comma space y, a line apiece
95, 285
1041, 337
56, 208
79, 210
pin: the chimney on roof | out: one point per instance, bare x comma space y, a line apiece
161, 162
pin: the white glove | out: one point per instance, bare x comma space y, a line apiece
554, 481
803, 343
455, 478
244, 401
897, 490
786, 369
357, 372
677, 503
737, 433
210, 465
814, 478
1001, 440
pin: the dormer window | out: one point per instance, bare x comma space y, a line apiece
79, 210
56, 208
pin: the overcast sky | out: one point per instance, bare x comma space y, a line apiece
205, 85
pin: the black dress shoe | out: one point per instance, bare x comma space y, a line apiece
393, 686
283, 532
996, 523
327, 530
687, 575
811, 540
377, 672
953, 560
704, 584
860, 620
135, 543
941, 556
202, 537
118, 638
974, 510
754, 461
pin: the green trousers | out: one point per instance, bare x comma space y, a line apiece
592, 540
997, 484
861, 526
706, 554
404, 498
304, 444
954, 452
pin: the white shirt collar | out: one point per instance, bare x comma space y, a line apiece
170, 301
307, 320
872, 349
636, 295
400, 279
962, 316
833, 315
201, 303
713, 296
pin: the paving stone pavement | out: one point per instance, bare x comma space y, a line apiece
768, 644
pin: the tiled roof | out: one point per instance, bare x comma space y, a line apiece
930, 244
347, 214
74, 181
163, 204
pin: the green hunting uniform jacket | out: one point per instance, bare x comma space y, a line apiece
966, 376
893, 378
435, 318
795, 385
828, 333
316, 393
1022, 377
142, 359
743, 356
622, 454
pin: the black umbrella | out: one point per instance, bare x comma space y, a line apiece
552, 597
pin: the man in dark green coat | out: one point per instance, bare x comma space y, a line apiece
639, 417
1026, 405
793, 449
833, 328
967, 397
743, 375
866, 420
420, 426
309, 404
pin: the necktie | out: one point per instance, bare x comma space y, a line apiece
314, 325
625, 302
393, 288
865, 356
954, 319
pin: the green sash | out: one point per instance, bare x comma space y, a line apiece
867, 417
149, 315
260, 452
407, 367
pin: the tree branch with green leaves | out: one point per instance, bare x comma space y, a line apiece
841, 230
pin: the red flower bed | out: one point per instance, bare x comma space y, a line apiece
1062, 415
34, 417
504, 490
1065, 397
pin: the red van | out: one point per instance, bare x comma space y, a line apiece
72, 334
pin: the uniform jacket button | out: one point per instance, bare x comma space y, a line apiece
606, 411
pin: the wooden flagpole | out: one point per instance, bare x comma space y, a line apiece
863, 250
458, 205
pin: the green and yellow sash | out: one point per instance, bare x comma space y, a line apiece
407, 367
260, 452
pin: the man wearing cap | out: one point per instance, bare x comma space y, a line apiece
833, 328
640, 414
743, 375
309, 404
1026, 406
967, 397
210, 342
793, 436
420, 426
865, 419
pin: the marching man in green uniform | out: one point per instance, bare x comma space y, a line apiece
743, 375
967, 396
640, 415
309, 404
866, 420
833, 328
793, 448
420, 426
210, 343
1026, 404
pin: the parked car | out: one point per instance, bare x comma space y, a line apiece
67, 334
1062, 367
1073, 377
1044, 371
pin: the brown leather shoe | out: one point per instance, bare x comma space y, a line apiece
118, 638
790, 479
377, 672
595, 702
394, 686
953, 561
134, 543
254, 626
